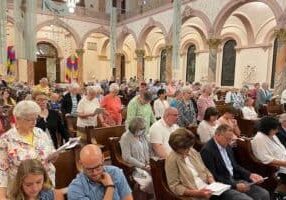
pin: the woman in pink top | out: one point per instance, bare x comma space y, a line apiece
205, 101
112, 105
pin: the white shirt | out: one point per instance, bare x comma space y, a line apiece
266, 149
199, 182
87, 107
206, 131
160, 107
160, 133
249, 112
283, 97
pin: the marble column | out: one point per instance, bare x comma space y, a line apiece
80, 53
140, 63
169, 53
118, 57
31, 73
280, 68
213, 50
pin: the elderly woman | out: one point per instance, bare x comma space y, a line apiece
187, 109
160, 104
49, 120
187, 176
135, 150
112, 105
267, 147
205, 101
207, 127
248, 110
24, 141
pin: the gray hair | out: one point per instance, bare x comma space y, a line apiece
26, 108
282, 118
136, 124
113, 87
205, 87
74, 86
93, 89
186, 89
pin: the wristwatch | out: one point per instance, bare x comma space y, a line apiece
106, 186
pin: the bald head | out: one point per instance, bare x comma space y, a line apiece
171, 116
90, 154
170, 110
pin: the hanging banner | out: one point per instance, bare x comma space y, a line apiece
57, 9
71, 69
11, 64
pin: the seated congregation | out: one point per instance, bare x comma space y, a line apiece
157, 145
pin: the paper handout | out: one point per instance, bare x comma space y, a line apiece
73, 142
218, 188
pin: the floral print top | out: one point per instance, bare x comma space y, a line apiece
14, 149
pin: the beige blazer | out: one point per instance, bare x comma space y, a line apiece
180, 177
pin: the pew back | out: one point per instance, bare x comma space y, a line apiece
161, 188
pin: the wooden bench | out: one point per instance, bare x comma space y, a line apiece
247, 127
161, 188
117, 160
66, 169
245, 157
70, 122
101, 136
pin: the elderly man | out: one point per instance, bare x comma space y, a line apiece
161, 130
96, 181
70, 100
140, 106
218, 157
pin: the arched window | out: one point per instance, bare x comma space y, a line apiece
275, 45
163, 65
191, 64
228, 63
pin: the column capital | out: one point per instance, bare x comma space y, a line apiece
169, 47
140, 52
79, 52
280, 34
213, 43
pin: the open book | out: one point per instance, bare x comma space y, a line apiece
218, 188
73, 142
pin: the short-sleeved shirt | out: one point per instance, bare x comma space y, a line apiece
88, 107
85, 189
160, 133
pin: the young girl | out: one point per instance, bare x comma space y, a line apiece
33, 183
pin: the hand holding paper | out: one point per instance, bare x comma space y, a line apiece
69, 145
98, 111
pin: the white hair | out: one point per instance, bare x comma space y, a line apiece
113, 87
205, 87
74, 86
93, 89
26, 108
186, 89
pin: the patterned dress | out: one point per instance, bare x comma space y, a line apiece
14, 149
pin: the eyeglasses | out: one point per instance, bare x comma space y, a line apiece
91, 170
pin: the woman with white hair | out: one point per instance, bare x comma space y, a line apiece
112, 105
24, 141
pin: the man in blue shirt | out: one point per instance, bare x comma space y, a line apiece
98, 182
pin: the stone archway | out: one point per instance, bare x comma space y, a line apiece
228, 9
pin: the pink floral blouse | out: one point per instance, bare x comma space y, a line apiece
203, 103
14, 149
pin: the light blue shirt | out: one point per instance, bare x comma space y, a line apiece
225, 158
85, 189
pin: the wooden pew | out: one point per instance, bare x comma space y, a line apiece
66, 169
71, 125
117, 160
247, 127
161, 188
244, 156
101, 136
